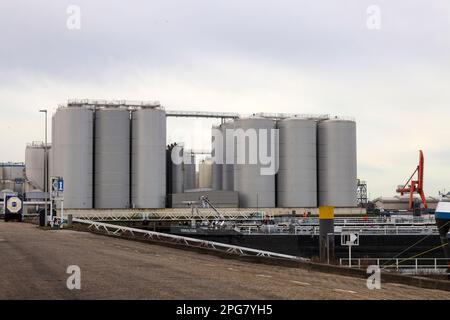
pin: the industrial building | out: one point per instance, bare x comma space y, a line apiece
114, 155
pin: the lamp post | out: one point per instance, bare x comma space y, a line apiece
45, 165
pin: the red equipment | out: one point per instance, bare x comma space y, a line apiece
416, 186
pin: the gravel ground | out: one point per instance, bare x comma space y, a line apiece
34, 264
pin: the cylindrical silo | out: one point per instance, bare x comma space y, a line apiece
252, 177
34, 165
228, 162
189, 177
148, 160
177, 170
297, 174
337, 163
112, 158
73, 146
217, 158
205, 174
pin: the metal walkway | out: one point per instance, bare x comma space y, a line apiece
116, 230
166, 215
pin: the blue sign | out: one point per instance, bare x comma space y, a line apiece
61, 185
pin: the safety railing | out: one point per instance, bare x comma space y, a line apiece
343, 221
374, 230
117, 230
168, 215
414, 264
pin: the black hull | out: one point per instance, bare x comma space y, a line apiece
371, 246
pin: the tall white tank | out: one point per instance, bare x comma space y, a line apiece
112, 158
337, 163
205, 174
217, 162
73, 146
227, 167
34, 164
255, 188
297, 175
148, 160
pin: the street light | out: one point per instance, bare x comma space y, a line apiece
45, 165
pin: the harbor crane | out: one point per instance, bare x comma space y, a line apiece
415, 186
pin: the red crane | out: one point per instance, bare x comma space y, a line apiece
416, 186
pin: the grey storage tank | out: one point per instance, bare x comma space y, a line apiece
337, 163
34, 164
297, 175
205, 174
189, 172
255, 188
73, 145
148, 159
217, 158
112, 158
177, 171
228, 166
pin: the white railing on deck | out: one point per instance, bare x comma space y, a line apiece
415, 264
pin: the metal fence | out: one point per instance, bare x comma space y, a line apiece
168, 215
373, 230
414, 264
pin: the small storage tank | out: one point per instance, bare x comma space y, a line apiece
13, 171
205, 174
228, 166
255, 188
112, 158
34, 164
337, 163
148, 159
217, 158
73, 146
297, 175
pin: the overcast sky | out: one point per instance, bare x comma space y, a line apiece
242, 56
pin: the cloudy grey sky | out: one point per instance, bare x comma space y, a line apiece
242, 56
